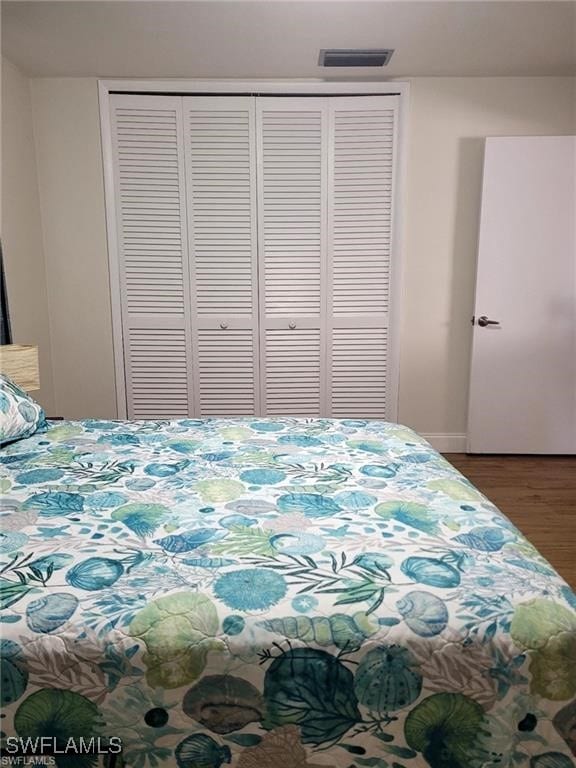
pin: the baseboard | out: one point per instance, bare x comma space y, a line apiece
453, 443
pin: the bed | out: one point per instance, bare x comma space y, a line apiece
274, 593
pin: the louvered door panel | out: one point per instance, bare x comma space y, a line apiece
362, 135
221, 201
292, 362
159, 373
152, 248
359, 372
361, 207
226, 374
292, 190
292, 200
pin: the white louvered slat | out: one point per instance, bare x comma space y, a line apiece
148, 172
292, 176
219, 137
292, 205
361, 206
221, 202
359, 372
152, 247
226, 375
361, 179
158, 373
292, 364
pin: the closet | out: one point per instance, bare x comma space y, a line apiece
253, 240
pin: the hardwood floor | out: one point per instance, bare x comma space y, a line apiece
538, 494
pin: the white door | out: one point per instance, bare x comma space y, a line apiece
361, 177
149, 190
523, 377
326, 173
292, 171
219, 147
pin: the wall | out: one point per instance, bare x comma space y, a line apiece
448, 119
69, 155
21, 228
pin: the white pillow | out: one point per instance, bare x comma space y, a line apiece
20, 415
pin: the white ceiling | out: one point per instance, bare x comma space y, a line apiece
282, 38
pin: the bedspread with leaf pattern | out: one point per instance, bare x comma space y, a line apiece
275, 593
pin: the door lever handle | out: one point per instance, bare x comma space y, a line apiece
483, 321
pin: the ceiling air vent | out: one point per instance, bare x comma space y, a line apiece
355, 57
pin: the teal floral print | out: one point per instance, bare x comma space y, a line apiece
250, 589
304, 603
275, 593
20, 415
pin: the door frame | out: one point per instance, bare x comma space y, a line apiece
209, 87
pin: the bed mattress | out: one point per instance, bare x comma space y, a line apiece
274, 593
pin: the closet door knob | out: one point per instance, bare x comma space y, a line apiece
223, 326
291, 326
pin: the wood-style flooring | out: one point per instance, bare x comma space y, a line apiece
538, 494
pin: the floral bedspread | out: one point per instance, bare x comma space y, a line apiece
275, 593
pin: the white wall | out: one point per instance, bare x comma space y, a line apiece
69, 156
448, 119
21, 228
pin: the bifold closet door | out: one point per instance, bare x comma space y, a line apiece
149, 187
361, 177
219, 145
325, 187
254, 241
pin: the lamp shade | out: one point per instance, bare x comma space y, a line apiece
20, 363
